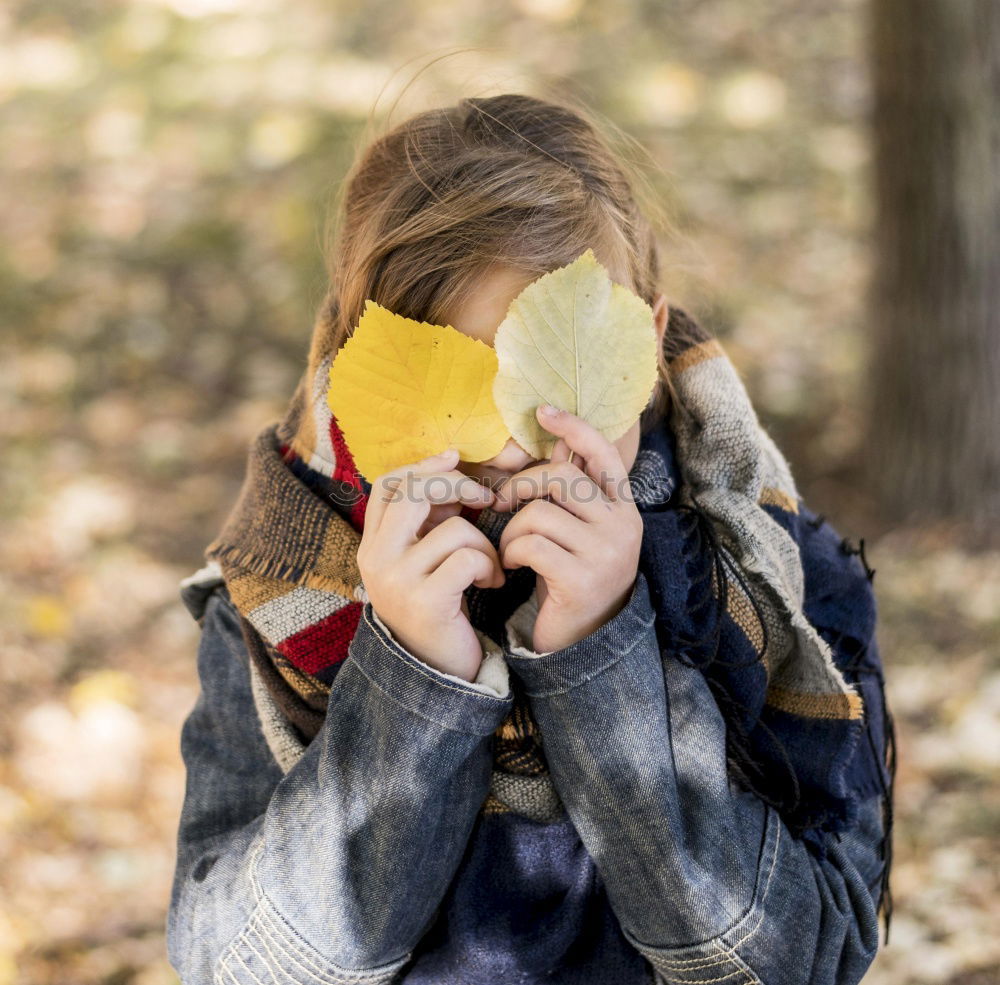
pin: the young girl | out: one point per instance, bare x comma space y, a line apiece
612, 717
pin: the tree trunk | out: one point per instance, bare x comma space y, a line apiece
934, 396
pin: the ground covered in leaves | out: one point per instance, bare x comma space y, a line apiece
167, 166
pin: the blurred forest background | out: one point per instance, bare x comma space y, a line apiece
166, 168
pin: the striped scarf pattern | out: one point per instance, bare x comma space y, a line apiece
287, 555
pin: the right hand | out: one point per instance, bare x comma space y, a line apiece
416, 583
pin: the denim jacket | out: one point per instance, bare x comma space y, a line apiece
370, 860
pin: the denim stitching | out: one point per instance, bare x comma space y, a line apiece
731, 958
291, 957
413, 711
426, 673
639, 638
275, 931
247, 967
708, 981
304, 959
256, 927
265, 910
751, 977
273, 968
243, 939
694, 964
328, 977
300, 960
222, 964
224, 967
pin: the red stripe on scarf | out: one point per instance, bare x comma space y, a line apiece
345, 470
324, 643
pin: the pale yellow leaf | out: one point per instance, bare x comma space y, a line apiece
574, 339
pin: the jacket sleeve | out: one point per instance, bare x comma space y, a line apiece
706, 880
333, 871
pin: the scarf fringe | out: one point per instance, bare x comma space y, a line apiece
231, 557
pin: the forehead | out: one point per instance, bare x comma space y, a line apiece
481, 311
479, 314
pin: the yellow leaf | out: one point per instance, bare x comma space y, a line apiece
402, 390
574, 339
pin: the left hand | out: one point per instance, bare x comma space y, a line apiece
584, 544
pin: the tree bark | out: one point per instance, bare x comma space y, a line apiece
934, 394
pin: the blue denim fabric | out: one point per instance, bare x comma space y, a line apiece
706, 880
334, 871
369, 861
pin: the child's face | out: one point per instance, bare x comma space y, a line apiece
480, 316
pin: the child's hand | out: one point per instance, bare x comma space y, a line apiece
584, 544
416, 583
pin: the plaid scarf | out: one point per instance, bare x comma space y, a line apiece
747, 583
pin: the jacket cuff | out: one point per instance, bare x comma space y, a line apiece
555, 671
492, 677
445, 699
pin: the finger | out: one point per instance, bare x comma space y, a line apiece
384, 486
459, 570
550, 520
452, 535
542, 555
564, 483
601, 459
560, 452
417, 494
439, 512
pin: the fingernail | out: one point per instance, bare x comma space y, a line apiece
548, 410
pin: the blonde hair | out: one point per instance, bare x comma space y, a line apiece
449, 192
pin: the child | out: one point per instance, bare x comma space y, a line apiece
625, 729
